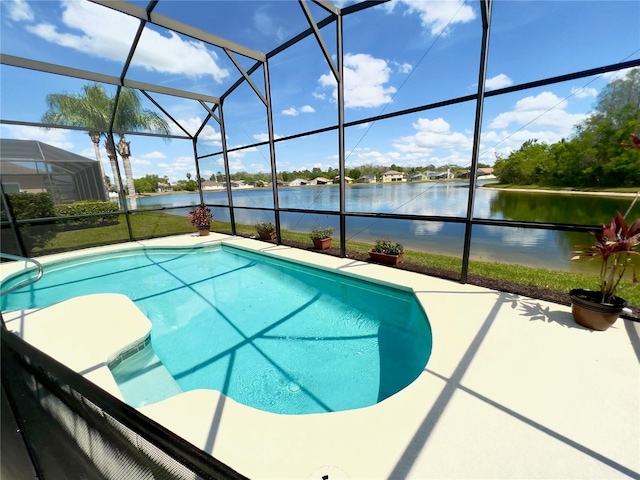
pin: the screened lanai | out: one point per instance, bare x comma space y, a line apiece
31, 166
265, 92
295, 113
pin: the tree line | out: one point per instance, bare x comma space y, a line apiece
597, 154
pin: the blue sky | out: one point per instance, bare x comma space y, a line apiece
397, 56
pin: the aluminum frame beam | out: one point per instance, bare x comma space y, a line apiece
179, 27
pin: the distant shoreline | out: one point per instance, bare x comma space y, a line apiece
568, 192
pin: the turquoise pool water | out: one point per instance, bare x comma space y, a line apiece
271, 334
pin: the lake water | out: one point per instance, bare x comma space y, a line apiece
533, 247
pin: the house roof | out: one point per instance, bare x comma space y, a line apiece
11, 168
32, 150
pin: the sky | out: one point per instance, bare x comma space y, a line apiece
398, 55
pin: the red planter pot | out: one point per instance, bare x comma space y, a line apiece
385, 258
267, 235
203, 231
321, 243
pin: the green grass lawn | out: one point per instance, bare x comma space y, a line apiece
157, 224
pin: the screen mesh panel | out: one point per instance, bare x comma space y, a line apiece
75, 430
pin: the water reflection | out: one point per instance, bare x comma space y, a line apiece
534, 247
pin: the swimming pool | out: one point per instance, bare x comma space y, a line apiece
269, 333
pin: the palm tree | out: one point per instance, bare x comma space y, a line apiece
88, 109
93, 109
131, 116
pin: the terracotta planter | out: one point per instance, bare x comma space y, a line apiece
204, 230
321, 243
385, 258
267, 235
589, 312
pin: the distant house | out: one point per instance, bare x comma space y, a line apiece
439, 175
418, 177
240, 184
164, 187
347, 180
393, 176
209, 185
298, 182
369, 178
320, 181
481, 172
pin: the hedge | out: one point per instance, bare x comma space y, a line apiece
109, 211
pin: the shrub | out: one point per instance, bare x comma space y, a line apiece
321, 233
108, 210
26, 206
385, 246
265, 227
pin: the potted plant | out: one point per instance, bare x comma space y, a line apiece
201, 219
266, 230
321, 237
384, 251
616, 242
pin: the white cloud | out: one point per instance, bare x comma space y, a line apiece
543, 110
584, 92
55, 137
208, 135
438, 15
294, 112
153, 155
365, 157
19, 10
364, 81
264, 137
178, 167
504, 142
235, 164
431, 135
320, 96
259, 167
155, 52
138, 162
403, 67
499, 81
266, 24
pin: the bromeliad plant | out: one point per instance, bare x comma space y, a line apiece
200, 216
615, 244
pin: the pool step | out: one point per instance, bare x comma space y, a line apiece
143, 379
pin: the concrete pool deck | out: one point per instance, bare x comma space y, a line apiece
513, 389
